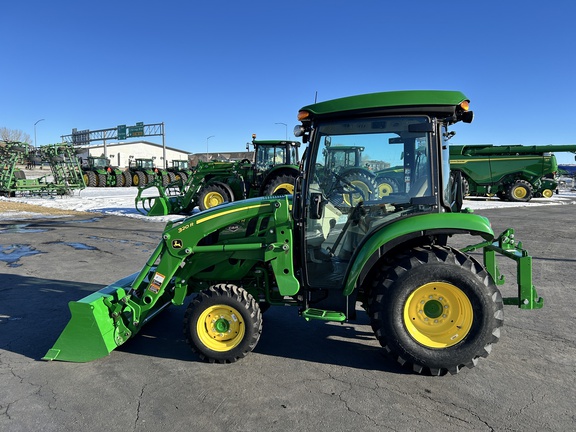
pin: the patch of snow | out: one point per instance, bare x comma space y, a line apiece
121, 202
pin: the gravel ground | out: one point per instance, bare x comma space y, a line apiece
9, 206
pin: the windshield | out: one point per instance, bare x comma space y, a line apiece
367, 172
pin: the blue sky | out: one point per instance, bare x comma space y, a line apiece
228, 69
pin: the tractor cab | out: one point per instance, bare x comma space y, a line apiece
270, 153
362, 176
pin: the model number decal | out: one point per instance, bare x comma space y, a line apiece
185, 227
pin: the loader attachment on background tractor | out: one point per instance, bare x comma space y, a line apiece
168, 200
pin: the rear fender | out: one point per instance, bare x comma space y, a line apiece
390, 236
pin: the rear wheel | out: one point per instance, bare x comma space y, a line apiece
281, 185
436, 310
519, 191
211, 195
358, 187
386, 186
90, 179
223, 323
101, 180
127, 179
119, 180
139, 178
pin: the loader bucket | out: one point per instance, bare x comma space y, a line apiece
153, 206
92, 333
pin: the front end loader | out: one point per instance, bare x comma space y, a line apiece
330, 247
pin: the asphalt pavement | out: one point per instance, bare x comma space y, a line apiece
302, 375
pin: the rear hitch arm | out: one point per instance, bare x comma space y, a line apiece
507, 246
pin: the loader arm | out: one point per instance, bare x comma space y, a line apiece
221, 244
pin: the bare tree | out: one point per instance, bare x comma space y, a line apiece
14, 135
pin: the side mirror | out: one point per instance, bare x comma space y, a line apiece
458, 194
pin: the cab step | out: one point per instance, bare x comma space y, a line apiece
324, 315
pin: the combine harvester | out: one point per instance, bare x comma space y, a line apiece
433, 307
511, 172
273, 172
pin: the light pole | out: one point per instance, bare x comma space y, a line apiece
211, 136
35, 143
286, 127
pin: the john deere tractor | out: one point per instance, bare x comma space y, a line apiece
97, 171
272, 171
433, 306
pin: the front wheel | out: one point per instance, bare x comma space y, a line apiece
212, 195
436, 310
223, 323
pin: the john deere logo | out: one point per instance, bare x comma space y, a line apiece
177, 244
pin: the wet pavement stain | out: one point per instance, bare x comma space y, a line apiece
76, 245
11, 254
20, 229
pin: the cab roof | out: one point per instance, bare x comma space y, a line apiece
431, 102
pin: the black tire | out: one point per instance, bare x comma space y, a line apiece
223, 323
165, 179
280, 185
435, 310
120, 179
139, 179
171, 176
127, 179
519, 191
182, 176
101, 180
212, 195
357, 186
465, 186
386, 185
90, 179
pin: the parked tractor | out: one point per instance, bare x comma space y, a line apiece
434, 307
272, 172
141, 172
179, 169
98, 172
511, 172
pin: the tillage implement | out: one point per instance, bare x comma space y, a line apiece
333, 249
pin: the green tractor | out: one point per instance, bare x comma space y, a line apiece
272, 172
141, 171
376, 178
433, 306
98, 172
179, 169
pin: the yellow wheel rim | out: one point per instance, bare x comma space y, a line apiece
220, 328
212, 199
547, 193
86, 179
384, 189
438, 315
288, 187
135, 180
520, 193
357, 197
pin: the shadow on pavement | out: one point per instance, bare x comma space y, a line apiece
34, 311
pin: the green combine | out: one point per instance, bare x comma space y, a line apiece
511, 172
328, 248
